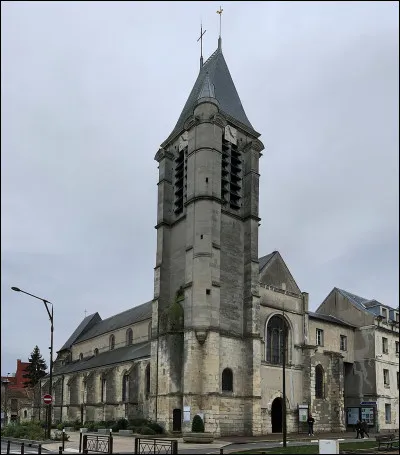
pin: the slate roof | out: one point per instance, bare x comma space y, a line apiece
263, 261
216, 69
131, 316
124, 354
87, 323
329, 318
356, 299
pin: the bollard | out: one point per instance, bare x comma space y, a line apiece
174, 448
39, 451
63, 439
22, 448
80, 441
8, 447
110, 443
60, 450
221, 451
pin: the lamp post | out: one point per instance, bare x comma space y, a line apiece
284, 428
51, 317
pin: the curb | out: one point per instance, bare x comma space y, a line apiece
27, 442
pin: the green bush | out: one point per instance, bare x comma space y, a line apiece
137, 422
58, 436
197, 424
89, 425
156, 427
122, 424
26, 430
147, 431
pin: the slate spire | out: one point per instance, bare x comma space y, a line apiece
214, 77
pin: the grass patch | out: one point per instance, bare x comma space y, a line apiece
313, 448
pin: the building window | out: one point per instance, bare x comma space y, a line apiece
388, 413
384, 313
148, 379
276, 326
227, 380
125, 387
96, 352
180, 181
319, 382
386, 379
112, 342
129, 337
81, 356
343, 342
320, 337
397, 347
103, 389
385, 348
25, 414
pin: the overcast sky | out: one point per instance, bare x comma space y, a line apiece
90, 90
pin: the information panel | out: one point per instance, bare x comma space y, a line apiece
368, 414
353, 414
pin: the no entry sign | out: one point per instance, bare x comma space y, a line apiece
47, 399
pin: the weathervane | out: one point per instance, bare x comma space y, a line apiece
220, 20
201, 44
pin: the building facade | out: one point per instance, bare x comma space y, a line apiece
223, 321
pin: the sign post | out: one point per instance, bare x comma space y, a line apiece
47, 399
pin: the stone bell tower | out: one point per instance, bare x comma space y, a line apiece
206, 351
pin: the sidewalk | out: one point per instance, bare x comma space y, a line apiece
126, 443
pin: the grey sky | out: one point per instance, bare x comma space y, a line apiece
89, 92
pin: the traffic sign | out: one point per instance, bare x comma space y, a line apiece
47, 399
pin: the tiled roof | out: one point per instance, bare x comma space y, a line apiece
128, 317
329, 318
357, 300
263, 261
124, 354
221, 85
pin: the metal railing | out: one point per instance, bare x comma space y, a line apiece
97, 443
159, 446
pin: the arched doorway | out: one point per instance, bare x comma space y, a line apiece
177, 420
276, 415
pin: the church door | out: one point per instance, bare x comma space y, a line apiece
276, 415
176, 420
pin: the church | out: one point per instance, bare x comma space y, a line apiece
224, 320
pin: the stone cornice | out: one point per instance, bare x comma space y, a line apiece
162, 153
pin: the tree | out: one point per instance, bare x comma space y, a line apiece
36, 369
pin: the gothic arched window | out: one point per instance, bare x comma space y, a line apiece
112, 342
103, 389
129, 337
81, 356
148, 379
227, 380
96, 352
125, 387
274, 340
319, 382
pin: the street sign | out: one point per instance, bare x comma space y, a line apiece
368, 403
47, 399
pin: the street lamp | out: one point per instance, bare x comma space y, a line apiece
51, 317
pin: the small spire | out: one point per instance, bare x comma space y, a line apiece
207, 90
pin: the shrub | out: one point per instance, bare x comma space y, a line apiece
138, 422
58, 436
146, 431
122, 424
197, 424
89, 425
156, 427
26, 430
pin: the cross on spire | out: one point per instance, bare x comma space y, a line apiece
220, 19
201, 44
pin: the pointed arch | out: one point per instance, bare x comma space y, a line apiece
129, 337
276, 326
125, 386
148, 379
112, 342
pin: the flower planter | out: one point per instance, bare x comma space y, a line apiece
198, 438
